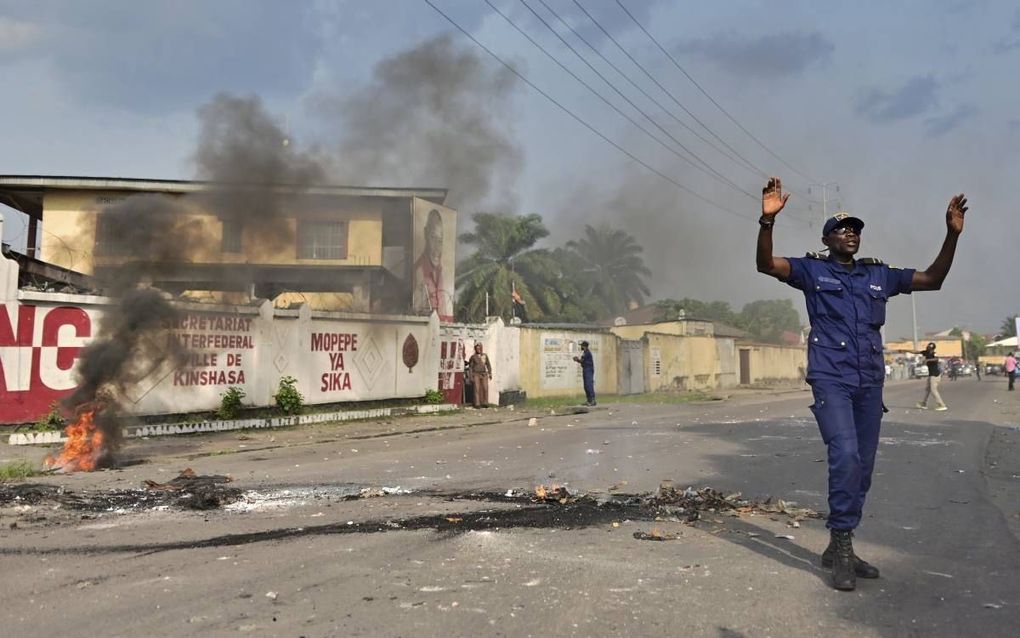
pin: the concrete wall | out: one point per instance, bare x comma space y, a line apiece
335, 357
774, 363
683, 363
499, 341
546, 361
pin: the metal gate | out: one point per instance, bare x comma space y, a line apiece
630, 367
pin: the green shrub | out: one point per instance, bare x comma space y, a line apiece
434, 396
288, 399
51, 421
17, 470
230, 403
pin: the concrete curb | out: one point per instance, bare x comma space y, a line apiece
168, 429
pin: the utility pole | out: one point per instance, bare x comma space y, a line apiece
825, 186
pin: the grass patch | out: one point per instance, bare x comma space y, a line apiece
17, 470
657, 398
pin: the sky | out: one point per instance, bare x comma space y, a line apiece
894, 107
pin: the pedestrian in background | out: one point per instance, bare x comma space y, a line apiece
481, 372
846, 304
1009, 365
931, 389
587, 373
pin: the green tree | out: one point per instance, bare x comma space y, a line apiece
974, 347
767, 319
1008, 328
614, 268
504, 260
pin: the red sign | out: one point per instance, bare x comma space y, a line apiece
38, 350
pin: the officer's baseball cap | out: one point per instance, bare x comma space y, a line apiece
584, 343
842, 219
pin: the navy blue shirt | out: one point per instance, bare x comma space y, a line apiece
587, 362
846, 308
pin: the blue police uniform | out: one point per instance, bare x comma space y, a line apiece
846, 370
588, 375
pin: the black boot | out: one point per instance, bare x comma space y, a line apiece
862, 568
843, 577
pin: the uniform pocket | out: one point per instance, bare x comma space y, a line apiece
878, 302
829, 299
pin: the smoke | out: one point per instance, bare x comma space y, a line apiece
244, 153
434, 115
684, 240
155, 238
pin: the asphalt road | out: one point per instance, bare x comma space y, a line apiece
295, 558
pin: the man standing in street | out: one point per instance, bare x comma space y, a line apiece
846, 301
587, 373
481, 372
1009, 365
932, 386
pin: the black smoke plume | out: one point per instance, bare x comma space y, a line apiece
434, 115
251, 169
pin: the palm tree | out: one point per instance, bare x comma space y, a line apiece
616, 270
504, 260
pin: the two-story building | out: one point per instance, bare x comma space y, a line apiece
358, 249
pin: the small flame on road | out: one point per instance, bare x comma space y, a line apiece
84, 449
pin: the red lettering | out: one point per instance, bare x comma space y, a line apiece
335, 381
26, 323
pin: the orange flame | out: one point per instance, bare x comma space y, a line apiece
83, 449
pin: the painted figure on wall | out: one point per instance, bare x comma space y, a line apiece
431, 289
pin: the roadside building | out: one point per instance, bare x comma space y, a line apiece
339, 248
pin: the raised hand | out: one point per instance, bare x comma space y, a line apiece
772, 198
955, 213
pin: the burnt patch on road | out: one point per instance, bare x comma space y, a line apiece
545, 508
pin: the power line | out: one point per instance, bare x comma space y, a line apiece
708, 166
709, 171
580, 120
680, 104
761, 172
710, 98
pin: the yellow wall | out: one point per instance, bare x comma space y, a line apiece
69, 231
531, 363
683, 363
680, 328
776, 363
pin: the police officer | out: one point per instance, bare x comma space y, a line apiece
846, 300
587, 373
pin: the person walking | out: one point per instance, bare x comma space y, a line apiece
846, 304
931, 388
481, 373
1009, 365
587, 373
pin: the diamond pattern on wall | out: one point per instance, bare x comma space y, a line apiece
370, 362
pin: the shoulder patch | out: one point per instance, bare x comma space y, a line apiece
870, 261
812, 255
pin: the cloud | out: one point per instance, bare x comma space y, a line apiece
918, 95
17, 35
1012, 40
768, 56
940, 125
158, 57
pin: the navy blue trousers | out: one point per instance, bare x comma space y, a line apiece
849, 419
589, 385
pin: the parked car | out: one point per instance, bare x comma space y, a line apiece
994, 369
920, 371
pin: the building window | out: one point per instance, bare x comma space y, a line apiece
231, 240
108, 239
322, 240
